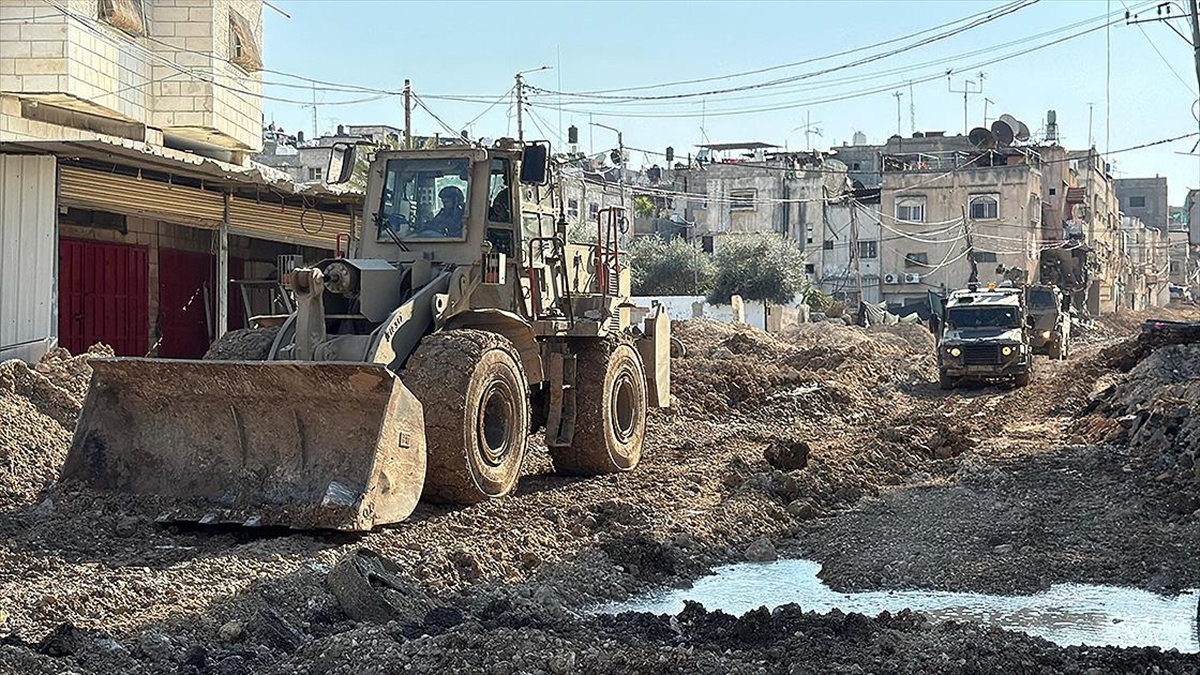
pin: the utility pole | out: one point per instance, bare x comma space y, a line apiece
898, 95
620, 164
974, 278
408, 144
519, 94
314, 107
912, 108
857, 258
986, 101
969, 87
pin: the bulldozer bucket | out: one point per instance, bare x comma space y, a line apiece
298, 444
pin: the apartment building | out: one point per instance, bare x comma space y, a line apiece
1147, 265
128, 200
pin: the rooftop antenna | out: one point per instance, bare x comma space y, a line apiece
810, 129
912, 108
969, 87
898, 95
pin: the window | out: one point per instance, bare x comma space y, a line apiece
244, 50
315, 173
742, 200
985, 207
1137, 202
706, 243
916, 259
828, 245
573, 208
499, 194
593, 210
985, 256
1176, 267
424, 199
128, 15
910, 209
809, 241
809, 268
868, 249
855, 166
1053, 191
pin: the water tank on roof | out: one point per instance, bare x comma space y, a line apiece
860, 138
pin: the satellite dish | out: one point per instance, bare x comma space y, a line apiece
1004, 133
1009, 120
982, 138
1022, 131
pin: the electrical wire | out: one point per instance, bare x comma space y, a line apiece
993, 15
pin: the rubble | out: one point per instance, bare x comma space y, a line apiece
773, 437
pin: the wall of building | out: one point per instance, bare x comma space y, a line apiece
28, 316
834, 266
1152, 192
89, 76
1012, 238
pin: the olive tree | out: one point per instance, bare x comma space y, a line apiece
763, 267
672, 267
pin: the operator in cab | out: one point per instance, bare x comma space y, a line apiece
448, 222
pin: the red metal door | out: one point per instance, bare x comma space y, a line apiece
186, 301
103, 296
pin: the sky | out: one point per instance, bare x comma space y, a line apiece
825, 67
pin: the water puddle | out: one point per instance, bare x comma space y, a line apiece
1066, 614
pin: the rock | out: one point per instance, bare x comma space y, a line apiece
369, 588
787, 456
156, 646
196, 655
561, 664
232, 631
274, 631
1003, 549
802, 510
761, 550
127, 526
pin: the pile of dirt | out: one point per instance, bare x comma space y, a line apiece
38, 408
729, 368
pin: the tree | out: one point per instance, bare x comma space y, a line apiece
671, 267
643, 206
763, 267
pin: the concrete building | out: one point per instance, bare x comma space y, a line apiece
1146, 269
851, 237
128, 201
949, 213
743, 188
1145, 198
304, 161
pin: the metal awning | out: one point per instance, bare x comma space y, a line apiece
214, 173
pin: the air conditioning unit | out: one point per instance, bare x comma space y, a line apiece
912, 278
891, 278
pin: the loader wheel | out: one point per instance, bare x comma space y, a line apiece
244, 344
476, 402
610, 418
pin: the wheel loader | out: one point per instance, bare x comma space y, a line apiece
416, 367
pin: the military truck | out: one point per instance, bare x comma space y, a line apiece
1050, 321
984, 337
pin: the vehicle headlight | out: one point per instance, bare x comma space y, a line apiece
1007, 351
955, 352
1045, 335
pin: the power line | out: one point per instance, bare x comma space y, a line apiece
1005, 10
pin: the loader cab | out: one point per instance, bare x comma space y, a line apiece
444, 204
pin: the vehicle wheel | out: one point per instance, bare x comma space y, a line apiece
946, 382
1056, 350
1022, 379
610, 418
244, 344
476, 402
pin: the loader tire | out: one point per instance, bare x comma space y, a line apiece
610, 418
476, 401
244, 344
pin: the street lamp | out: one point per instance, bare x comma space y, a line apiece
621, 156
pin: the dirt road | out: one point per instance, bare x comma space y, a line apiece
833, 443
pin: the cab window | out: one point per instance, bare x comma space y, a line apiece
424, 199
500, 193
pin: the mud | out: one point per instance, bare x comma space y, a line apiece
830, 441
